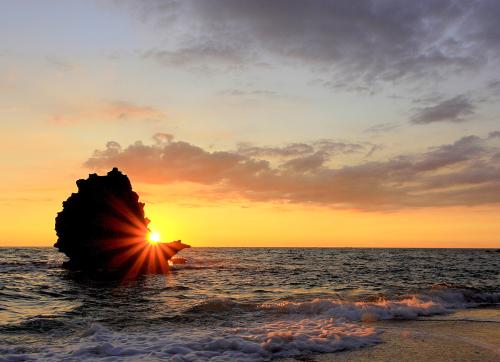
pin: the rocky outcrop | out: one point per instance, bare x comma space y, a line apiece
102, 228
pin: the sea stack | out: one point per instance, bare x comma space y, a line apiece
102, 228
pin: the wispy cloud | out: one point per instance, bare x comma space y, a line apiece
382, 127
236, 92
62, 65
466, 172
328, 147
107, 111
200, 54
494, 87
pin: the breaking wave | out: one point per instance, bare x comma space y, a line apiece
409, 307
281, 329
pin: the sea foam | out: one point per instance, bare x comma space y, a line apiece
256, 342
284, 329
440, 301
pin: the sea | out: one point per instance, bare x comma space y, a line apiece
233, 304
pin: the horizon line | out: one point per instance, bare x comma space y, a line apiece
284, 247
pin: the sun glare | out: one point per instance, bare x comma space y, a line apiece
154, 237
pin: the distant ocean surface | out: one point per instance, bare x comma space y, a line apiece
227, 304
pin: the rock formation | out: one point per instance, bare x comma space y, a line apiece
102, 229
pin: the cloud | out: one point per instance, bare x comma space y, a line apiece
455, 109
362, 42
168, 161
494, 87
308, 163
200, 54
466, 172
494, 134
327, 147
382, 127
249, 93
107, 111
62, 65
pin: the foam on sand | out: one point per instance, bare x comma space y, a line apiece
253, 343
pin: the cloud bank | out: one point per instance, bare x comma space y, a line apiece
362, 42
466, 172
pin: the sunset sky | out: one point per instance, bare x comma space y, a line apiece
257, 123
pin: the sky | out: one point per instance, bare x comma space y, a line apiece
257, 123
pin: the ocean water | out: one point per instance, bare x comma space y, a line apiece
232, 304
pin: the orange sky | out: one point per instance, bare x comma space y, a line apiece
243, 223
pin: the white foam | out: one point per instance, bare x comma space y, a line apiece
302, 336
258, 342
283, 329
408, 308
411, 307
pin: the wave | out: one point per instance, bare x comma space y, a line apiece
275, 330
440, 299
436, 301
220, 305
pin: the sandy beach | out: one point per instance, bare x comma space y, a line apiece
467, 335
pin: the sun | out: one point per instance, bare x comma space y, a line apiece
154, 237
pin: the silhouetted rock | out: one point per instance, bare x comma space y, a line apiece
102, 229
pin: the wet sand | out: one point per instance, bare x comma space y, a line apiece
468, 335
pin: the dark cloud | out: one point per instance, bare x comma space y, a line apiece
455, 109
307, 163
361, 41
466, 172
494, 134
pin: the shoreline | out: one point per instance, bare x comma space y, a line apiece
465, 335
